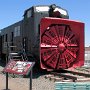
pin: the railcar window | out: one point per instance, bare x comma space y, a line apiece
11, 36
6, 38
61, 11
42, 9
17, 31
29, 14
3, 38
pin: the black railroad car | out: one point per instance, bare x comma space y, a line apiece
44, 32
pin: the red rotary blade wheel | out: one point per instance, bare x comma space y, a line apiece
59, 46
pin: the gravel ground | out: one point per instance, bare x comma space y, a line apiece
38, 82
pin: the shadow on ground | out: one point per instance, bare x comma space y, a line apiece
37, 72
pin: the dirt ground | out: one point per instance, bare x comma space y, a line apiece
38, 82
23, 83
12, 84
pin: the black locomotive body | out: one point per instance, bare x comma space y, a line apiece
25, 34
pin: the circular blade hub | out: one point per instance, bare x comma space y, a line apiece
61, 47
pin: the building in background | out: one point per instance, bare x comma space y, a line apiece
87, 56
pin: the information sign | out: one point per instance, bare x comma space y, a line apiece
19, 67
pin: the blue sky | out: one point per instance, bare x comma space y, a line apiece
12, 11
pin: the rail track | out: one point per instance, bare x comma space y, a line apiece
67, 75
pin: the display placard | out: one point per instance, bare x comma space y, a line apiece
19, 67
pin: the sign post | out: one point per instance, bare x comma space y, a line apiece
31, 73
31, 80
6, 73
7, 50
7, 81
